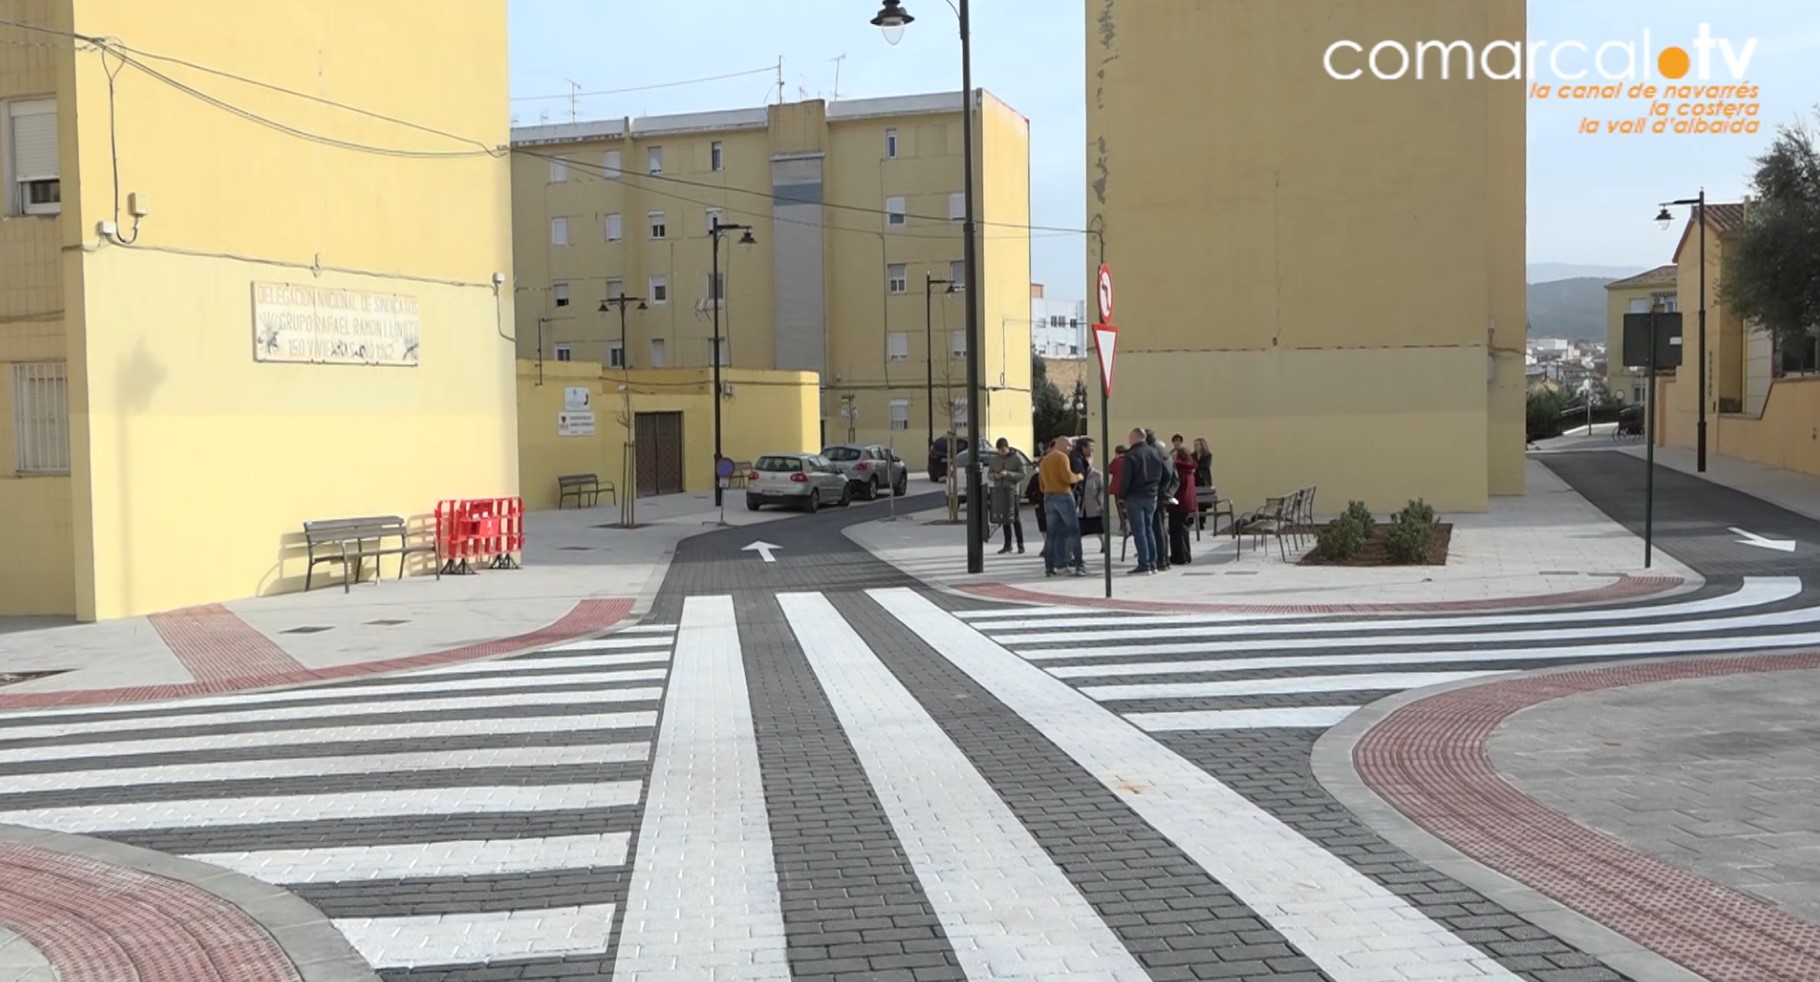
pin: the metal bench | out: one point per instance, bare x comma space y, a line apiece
741, 468
583, 488
351, 541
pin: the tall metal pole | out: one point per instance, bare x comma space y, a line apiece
976, 511
1649, 458
714, 233
1700, 438
929, 357
630, 464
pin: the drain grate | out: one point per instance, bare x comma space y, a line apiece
306, 630
386, 623
576, 548
13, 678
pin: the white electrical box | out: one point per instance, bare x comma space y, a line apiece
138, 204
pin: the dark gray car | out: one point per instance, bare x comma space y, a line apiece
870, 468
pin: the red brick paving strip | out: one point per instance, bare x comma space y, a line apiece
1429, 759
588, 617
101, 923
215, 644
1625, 588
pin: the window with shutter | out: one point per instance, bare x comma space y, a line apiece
897, 346
31, 144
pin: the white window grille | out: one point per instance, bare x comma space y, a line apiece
616, 355
41, 422
900, 414
894, 211
957, 344
897, 346
658, 227
660, 289
561, 291
897, 278
564, 353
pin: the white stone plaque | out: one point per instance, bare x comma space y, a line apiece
295, 322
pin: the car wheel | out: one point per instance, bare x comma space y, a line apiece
876, 489
815, 502
751, 504
903, 485
846, 496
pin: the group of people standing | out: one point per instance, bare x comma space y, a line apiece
1158, 488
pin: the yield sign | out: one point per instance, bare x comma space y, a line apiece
1105, 343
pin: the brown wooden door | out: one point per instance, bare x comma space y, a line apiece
660, 460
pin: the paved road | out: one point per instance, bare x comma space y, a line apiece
1694, 518
811, 769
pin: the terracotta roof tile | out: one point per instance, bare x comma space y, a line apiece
1660, 276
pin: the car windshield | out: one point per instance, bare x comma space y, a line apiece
780, 465
841, 454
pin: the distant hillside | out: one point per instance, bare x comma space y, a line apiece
1573, 309
1548, 272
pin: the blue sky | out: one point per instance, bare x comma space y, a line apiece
1591, 199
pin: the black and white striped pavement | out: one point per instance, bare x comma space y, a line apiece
1184, 673
854, 784
469, 814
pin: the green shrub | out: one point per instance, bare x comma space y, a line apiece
1345, 536
1412, 534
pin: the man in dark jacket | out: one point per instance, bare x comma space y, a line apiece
1165, 494
1141, 477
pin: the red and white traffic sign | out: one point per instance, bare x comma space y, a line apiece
1105, 345
1105, 294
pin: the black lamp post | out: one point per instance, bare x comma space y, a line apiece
929, 285
746, 241
1665, 219
892, 18
625, 353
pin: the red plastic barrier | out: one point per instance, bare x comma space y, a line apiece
489, 530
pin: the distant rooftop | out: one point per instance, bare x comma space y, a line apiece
1660, 276
735, 119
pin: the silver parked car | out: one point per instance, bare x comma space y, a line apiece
870, 468
804, 480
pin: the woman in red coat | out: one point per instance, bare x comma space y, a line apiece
1181, 511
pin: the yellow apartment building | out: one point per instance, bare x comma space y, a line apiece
1322, 276
228, 302
1633, 295
1762, 399
855, 205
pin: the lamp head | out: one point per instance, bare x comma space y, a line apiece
746, 241
1664, 219
891, 20
641, 305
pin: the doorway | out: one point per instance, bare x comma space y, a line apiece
660, 453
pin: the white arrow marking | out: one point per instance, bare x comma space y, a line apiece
1753, 539
763, 549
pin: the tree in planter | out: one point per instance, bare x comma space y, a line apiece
1412, 534
1771, 280
1346, 536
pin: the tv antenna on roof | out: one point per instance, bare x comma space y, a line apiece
837, 60
574, 99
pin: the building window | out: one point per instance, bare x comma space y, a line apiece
897, 278
561, 290
958, 415
657, 352
559, 231
720, 346
1670, 302
1639, 305
41, 421
615, 231
897, 346
894, 211
565, 353
654, 160
30, 144
900, 414
957, 206
957, 271
957, 344
559, 171
716, 159
716, 217
660, 289
616, 355
616, 287
717, 288
890, 144
1636, 394
658, 228
612, 166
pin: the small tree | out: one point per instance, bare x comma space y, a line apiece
1772, 281
1051, 415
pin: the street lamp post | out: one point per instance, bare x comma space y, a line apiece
715, 232
628, 506
1664, 219
891, 19
929, 284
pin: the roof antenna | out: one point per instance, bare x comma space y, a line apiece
837, 60
780, 80
574, 98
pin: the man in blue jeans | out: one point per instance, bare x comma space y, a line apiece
1056, 477
1140, 480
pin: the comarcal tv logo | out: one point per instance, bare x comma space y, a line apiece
1701, 86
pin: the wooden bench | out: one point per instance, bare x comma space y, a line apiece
351, 541
583, 488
